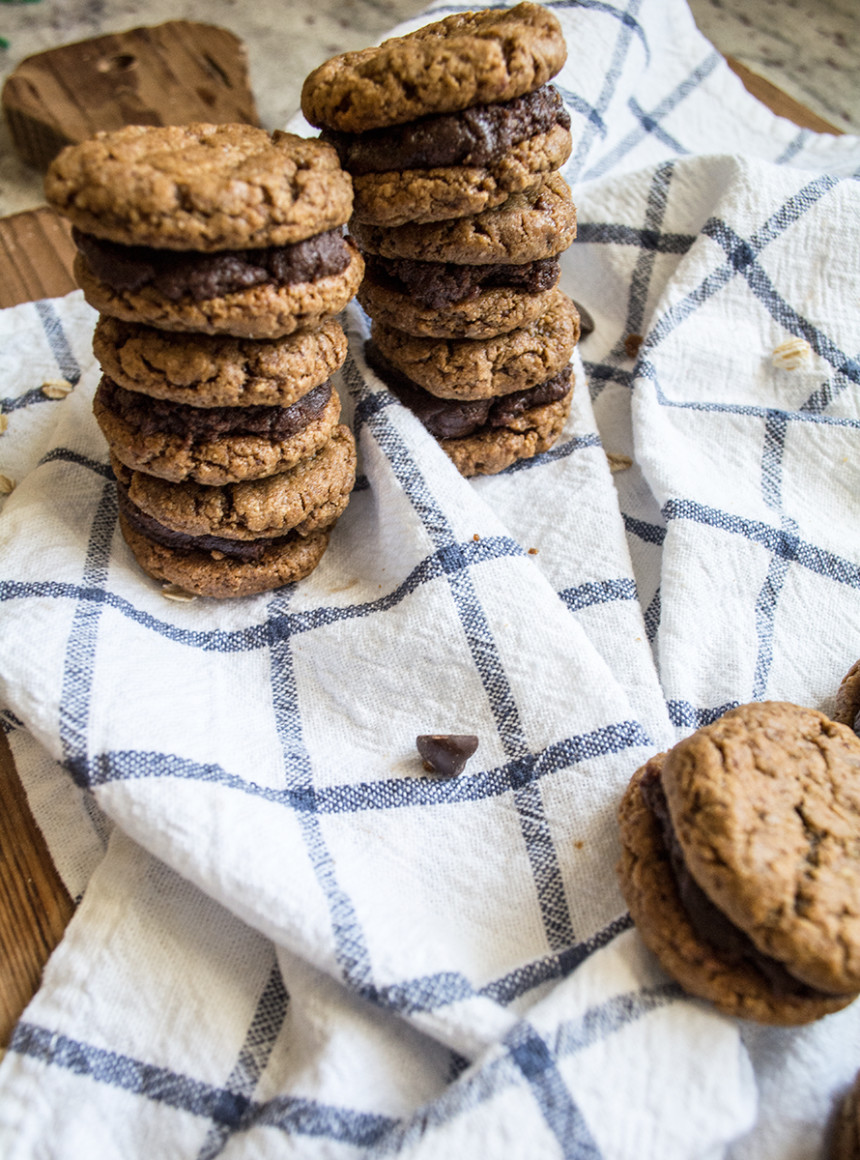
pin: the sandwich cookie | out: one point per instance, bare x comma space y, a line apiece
465, 369
222, 370
215, 229
238, 539
741, 862
484, 435
215, 409
473, 277
448, 120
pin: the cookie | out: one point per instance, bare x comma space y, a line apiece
208, 228
480, 369
394, 197
492, 449
741, 862
448, 120
310, 495
847, 705
216, 370
210, 573
466, 59
199, 187
495, 311
539, 223
213, 445
484, 436
267, 309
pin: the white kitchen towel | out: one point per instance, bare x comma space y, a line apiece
292, 941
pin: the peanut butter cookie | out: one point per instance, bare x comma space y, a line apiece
741, 862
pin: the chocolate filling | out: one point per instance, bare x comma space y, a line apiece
440, 284
246, 551
709, 923
149, 416
477, 136
179, 274
454, 418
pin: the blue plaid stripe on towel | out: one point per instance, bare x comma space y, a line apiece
290, 940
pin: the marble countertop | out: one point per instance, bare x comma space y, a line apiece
808, 48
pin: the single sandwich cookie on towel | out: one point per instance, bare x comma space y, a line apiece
238, 539
217, 229
741, 862
447, 120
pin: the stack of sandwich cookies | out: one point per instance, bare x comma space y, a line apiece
216, 257
453, 138
741, 862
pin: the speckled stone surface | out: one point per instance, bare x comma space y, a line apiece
806, 47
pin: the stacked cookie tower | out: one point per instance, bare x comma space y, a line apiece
216, 257
454, 138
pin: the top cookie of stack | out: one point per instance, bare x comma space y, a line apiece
453, 138
215, 255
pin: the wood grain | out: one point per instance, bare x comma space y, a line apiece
36, 255
34, 905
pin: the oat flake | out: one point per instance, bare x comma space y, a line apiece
56, 388
792, 354
174, 592
618, 462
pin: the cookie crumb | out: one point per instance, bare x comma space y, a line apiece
4, 423
446, 754
7, 485
791, 355
533, 551
56, 388
174, 592
631, 345
476, 537
618, 462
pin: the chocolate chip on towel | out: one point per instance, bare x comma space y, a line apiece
446, 754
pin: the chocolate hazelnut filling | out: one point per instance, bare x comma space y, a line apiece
180, 274
148, 416
707, 920
455, 418
478, 136
440, 284
218, 546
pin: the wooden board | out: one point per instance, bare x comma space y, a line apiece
36, 255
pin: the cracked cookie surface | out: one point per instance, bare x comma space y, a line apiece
210, 458
395, 197
308, 496
527, 226
766, 803
482, 368
199, 187
462, 60
650, 889
218, 370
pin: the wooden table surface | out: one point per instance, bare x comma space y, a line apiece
36, 255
